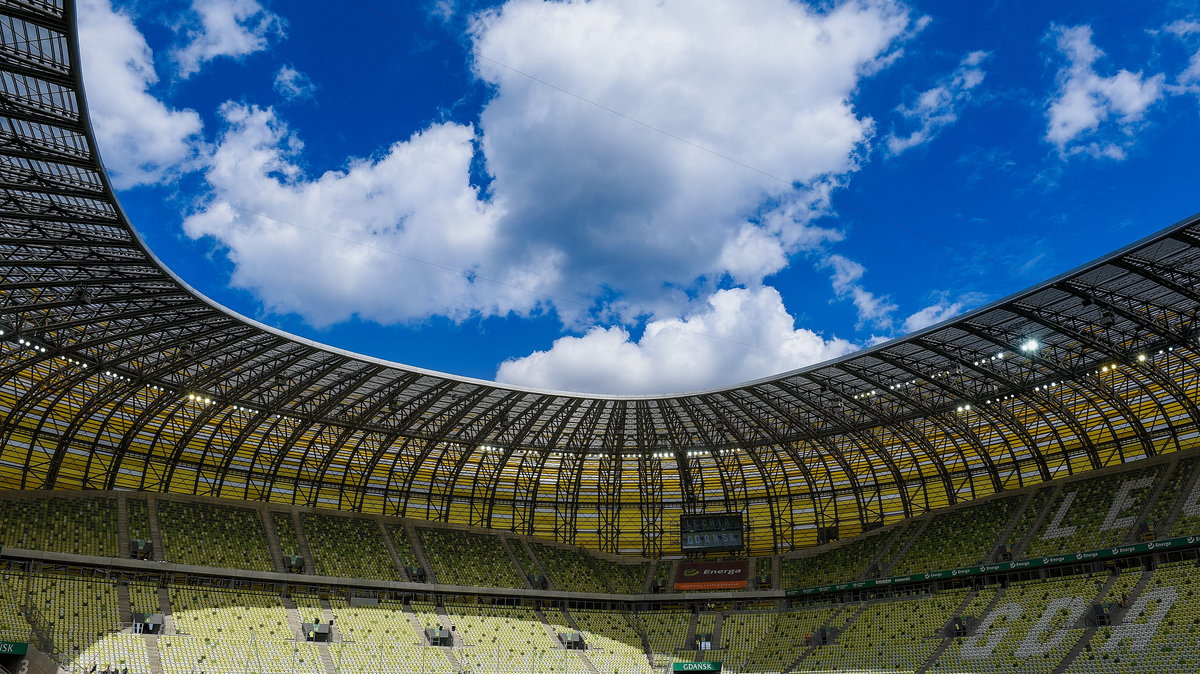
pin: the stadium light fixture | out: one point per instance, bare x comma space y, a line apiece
1030, 345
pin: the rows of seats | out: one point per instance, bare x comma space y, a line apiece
237, 655
224, 614
569, 568
79, 610
384, 623
622, 578
666, 632
81, 526
509, 639
143, 599
384, 658
528, 566
348, 547
845, 562
404, 547
138, 516
780, 645
213, 535
613, 643
115, 651
1180, 493
1019, 538
285, 532
1003, 641
468, 558
1085, 517
960, 537
13, 593
888, 636
1160, 631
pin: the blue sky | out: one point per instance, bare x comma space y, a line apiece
628, 197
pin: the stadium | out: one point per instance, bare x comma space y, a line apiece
186, 490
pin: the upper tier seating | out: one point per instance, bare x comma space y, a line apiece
1095, 513
845, 562
1019, 538
961, 537
569, 568
349, 547
621, 578
1183, 494
82, 526
467, 558
139, 519
213, 535
285, 531
528, 566
404, 548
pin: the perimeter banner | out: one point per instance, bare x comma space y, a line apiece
712, 575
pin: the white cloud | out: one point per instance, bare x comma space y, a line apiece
291, 83
584, 203
737, 335
942, 310
938, 107
142, 139
396, 228
765, 82
232, 28
872, 309
1091, 114
1189, 79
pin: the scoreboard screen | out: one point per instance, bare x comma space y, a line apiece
711, 533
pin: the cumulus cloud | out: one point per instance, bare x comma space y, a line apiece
1091, 114
737, 335
767, 83
941, 310
873, 310
395, 238
291, 83
144, 140
938, 107
584, 203
231, 28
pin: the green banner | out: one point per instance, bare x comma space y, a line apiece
1020, 565
696, 667
13, 648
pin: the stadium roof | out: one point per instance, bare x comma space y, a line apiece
114, 374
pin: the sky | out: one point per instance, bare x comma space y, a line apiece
626, 197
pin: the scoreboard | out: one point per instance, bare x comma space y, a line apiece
711, 533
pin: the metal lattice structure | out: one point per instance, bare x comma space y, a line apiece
115, 375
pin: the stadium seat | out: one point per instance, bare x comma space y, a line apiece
213, 535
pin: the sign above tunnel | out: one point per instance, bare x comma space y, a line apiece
696, 667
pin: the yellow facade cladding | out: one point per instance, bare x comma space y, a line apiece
786, 491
